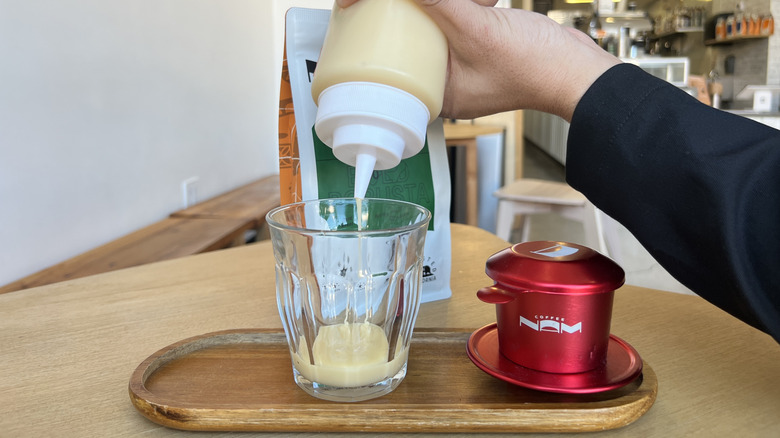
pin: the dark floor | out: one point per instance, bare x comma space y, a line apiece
538, 164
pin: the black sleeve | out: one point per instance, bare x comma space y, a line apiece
698, 187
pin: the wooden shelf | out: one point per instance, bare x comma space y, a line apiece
732, 40
678, 31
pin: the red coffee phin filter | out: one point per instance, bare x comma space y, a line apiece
553, 304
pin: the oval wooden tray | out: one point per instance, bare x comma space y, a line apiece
241, 380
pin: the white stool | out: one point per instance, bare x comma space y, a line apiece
528, 196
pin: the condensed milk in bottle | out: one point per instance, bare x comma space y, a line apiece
379, 82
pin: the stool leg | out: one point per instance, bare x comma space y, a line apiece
525, 228
594, 229
609, 229
504, 220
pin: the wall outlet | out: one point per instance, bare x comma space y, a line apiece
189, 191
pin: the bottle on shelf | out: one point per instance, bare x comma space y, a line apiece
767, 25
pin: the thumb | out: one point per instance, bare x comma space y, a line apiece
436, 2
432, 3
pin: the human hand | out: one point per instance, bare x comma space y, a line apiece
506, 59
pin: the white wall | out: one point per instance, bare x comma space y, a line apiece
773, 57
106, 106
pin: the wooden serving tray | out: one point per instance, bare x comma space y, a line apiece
241, 380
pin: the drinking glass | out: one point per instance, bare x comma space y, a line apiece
348, 285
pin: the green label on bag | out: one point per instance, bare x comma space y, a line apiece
410, 181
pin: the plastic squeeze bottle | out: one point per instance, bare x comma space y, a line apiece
379, 82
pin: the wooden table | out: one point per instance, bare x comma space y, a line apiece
461, 134
68, 349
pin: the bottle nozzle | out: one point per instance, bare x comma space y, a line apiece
364, 168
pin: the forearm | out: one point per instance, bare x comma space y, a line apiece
698, 187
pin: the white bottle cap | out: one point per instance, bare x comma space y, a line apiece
366, 118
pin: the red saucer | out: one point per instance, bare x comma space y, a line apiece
622, 367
